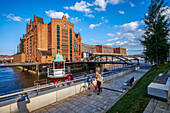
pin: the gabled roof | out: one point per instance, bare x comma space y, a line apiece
39, 20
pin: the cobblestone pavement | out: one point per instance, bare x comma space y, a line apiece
158, 106
81, 103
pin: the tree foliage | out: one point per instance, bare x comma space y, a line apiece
156, 34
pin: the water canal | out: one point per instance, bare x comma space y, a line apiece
13, 79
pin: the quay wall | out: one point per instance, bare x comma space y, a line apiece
51, 96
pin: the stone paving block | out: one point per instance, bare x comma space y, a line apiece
63, 108
56, 111
85, 106
166, 112
147, 112
161, 105
151, 106
156, 111
51, 109
72, 106
42, 110
75, 108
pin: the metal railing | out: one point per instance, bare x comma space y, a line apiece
38, 88
42, 87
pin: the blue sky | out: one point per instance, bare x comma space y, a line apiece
108, 22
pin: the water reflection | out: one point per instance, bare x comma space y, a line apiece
13, 79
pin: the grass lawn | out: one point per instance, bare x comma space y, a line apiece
135, 100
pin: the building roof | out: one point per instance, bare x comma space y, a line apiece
58, 58
40, 20
45, 53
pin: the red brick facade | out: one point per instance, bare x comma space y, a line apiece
120, 50
42, 41
104, 49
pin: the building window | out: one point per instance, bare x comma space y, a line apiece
58, 37
70, 44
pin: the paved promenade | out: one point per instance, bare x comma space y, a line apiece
157, 106
81, 103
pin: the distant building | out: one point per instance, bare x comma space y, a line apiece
42, 41
88, 48
120, 50
104, 49
21, 46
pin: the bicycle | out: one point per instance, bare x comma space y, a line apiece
91, 87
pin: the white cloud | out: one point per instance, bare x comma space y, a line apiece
114, 39
97, 41
89, 15
110, 34
28, 19
132, 4
66, 7
106, 41
14, 18
80, 6
94, 25
113, 2
133, 44
121, 12
166, 12
102, 4
53, 14
110, 44
75, 20
132, 26
104, 20
118, 33
140, 49
121, 43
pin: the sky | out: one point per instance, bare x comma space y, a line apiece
116, 23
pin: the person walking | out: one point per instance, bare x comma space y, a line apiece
99, 80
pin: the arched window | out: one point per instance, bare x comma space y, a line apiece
58, 37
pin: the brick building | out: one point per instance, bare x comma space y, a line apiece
120, 50
88, 48
42, 41
19, 57
104, 49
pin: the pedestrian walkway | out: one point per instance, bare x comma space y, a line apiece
158, 106
81, 103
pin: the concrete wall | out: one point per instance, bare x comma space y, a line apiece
48, 97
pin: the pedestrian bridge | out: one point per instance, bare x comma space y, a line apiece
17, 64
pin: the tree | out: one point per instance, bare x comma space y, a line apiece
156, 33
